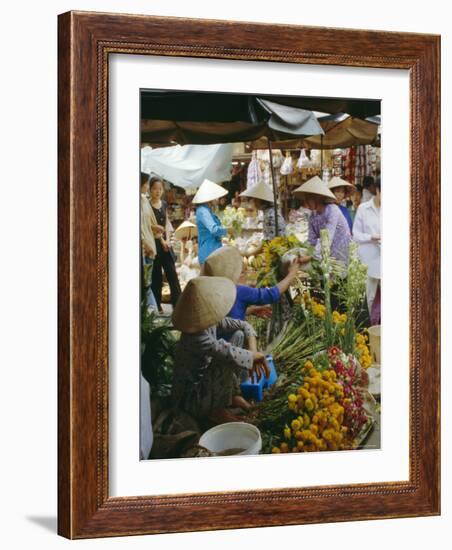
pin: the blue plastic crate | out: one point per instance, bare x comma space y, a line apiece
255, 390
273, 374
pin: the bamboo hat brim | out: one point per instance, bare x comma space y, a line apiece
259, 191
208, 191
315, 186
338, 182
204, 302
224, 262
186, 230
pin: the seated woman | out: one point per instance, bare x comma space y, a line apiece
342, 190
227, 262
325, 215
207, 368
210, 229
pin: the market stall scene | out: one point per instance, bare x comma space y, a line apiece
260, 274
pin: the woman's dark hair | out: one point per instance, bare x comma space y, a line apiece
144, 178
359, 188
153, 180
378, 183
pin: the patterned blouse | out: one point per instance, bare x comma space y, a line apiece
333, 220
205, 366
269, 229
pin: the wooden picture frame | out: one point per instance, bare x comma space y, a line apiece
85, 42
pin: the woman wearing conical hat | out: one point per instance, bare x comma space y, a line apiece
210, 229
227, 262
325, 214
342, 190
207, 367
263, 199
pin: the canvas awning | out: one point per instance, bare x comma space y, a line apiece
188, 165
231, 107
340, 131
343, 131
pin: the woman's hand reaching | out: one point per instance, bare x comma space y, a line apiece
260, 367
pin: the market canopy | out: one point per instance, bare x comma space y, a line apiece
227, 107
340, 131
272, 121
205, 118
188, 165
343, 131
165, 132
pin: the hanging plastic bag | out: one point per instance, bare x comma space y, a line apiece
303, 161
278, 158
252, 176
287, 165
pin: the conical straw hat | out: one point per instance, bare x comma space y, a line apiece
209, 191
259, 191
186, 230
315, 186
338, 182
204, 302
224, 262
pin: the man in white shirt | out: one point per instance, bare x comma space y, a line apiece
366, 232
368, 189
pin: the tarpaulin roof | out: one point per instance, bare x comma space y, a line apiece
229, 107
164, 132
272, 120
290, 121
188, 165
205, 118
340, 131
343, 131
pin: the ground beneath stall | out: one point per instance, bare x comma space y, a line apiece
373, 440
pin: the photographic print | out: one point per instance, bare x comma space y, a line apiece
260, 274
221, 252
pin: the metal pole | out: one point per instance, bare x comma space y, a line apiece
274, 186
321, 155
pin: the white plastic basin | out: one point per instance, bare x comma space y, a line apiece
232, 438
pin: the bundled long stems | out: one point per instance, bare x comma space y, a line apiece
290, 352
295, 345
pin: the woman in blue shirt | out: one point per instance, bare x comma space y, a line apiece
210, 229
227, 262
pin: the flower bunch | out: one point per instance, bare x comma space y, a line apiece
349, 377
325, 258
317, 415
356, 276
339, 318
318, 309
326, 269
233, 217
272, 253
277, 247
326, 412
351, 294
362, 350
